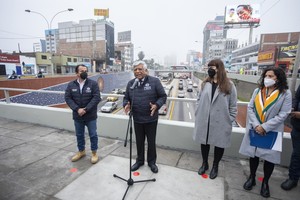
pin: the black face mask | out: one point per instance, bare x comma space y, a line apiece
211, 72
83, 75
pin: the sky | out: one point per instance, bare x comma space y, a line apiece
159, 28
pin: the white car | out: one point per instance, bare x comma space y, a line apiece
108, 107
180, 94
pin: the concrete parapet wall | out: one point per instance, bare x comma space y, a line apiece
245, 84
172, 134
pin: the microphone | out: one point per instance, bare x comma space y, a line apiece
134, 83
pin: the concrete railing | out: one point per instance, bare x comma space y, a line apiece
172, 134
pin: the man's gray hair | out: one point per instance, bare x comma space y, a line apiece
139, 62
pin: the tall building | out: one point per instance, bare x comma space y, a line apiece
51, 36
124, 50
39, 46
193, 59
88, 38
213, 29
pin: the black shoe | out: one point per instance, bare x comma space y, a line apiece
289, 184
249, 183
153, 168
214, 172
203, 168
264, 191
136, 166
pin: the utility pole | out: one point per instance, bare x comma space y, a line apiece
295, 70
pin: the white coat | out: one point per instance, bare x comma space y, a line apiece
214, 118
274, 121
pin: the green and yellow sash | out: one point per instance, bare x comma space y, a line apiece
262, 103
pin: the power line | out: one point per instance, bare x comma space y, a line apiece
21, 38
16, 33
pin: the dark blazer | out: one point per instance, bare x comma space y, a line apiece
88, 99
140, 97
296, 105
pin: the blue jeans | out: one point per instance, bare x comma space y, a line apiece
294, 169
80, 129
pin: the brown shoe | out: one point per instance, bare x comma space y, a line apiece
94, 158
78, 155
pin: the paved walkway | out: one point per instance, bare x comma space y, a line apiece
35, 164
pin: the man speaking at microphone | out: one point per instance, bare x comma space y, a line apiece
143, 97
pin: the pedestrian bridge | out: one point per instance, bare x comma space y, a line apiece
171, 134
37, 142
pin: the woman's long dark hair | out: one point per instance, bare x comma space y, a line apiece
281, 83
223, 81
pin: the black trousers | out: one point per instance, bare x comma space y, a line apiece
143, 130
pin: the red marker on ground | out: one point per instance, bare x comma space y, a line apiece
260, 179
204, 176
136, 173
73, 170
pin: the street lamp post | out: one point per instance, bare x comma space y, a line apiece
49, 25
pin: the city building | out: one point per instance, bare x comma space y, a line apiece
213, 29
278, 49
52, 36
124, 51
88, 38
170, 60
39, 46
244, 57
193, 59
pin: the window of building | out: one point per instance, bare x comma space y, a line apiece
44, 57
69, 59
74, 59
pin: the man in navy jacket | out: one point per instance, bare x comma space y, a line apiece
294, 169
144, 101
82, 96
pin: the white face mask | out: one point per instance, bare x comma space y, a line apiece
269, 82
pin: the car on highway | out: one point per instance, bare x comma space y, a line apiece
189, 88
112, 98
118, 91
195, 85
163, 110
180, 94
108, 107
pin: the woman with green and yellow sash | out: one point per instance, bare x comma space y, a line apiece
269, 106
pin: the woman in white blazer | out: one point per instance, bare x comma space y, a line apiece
269, 106
215, 112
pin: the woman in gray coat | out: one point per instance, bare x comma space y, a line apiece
269, 106
216, 111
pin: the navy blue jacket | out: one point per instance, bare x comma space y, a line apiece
140, 97
89, 99
296, 105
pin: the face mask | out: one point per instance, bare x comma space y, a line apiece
211, 72
269, 82
83, 75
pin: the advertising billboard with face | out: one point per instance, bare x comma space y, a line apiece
242, 14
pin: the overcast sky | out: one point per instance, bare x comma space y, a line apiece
158, 27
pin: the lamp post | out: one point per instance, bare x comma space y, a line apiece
49, 25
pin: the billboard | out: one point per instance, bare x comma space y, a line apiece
124, 36
7, 58
288, 51
101, 12
242, 14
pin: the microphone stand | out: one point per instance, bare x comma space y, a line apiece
130, 181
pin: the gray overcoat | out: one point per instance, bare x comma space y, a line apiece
218, 114
274, 121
